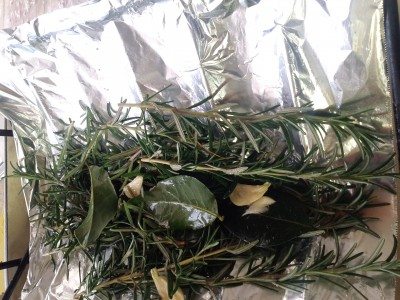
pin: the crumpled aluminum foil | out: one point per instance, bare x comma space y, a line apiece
267, 51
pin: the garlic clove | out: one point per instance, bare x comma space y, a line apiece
245, 194
161, 284
260, 206
134, 188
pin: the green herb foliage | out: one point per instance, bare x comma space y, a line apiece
126, 238
102, 206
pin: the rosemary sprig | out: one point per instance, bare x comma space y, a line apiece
273, 270
343, 125
221, 141
222, 148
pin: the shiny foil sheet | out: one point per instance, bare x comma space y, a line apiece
267, 52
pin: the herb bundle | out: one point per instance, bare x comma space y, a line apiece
176, 199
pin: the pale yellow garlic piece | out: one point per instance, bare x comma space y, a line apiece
260, 206
245, 194
133, 189
161, 284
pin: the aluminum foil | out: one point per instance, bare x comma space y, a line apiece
266, 51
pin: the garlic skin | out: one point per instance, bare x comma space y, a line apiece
245, 194
134, 188
161, 284
260, 206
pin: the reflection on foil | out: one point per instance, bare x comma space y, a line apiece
268, 51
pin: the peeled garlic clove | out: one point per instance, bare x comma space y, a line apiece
134, 188
260, 206
245, 194
161, 284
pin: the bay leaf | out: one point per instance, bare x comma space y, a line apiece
102, 207
182, 202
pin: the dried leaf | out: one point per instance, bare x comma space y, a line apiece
260, 206
243, 248
134, 188
161, 284
312, 234
245, 194
102, 208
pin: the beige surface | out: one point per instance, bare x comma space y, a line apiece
17, 220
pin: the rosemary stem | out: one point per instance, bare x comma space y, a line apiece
133, 277
215, 114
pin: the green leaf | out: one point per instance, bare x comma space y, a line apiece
102, 208
182, 202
